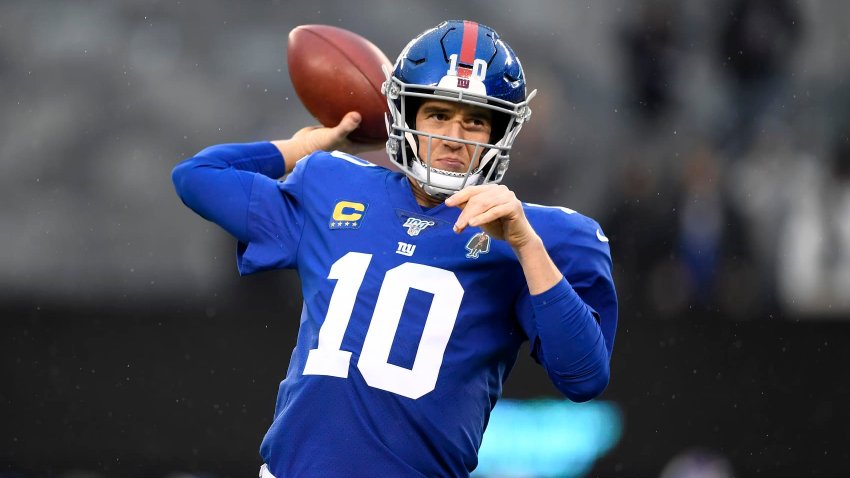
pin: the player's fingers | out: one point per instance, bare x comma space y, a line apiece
492, 214
479, 203
462, 196
349, 123
457, 199
467, 211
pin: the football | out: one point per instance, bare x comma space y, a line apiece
335, 71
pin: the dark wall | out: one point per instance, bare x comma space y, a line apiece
142, 389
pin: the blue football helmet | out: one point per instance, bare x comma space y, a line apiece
465, 62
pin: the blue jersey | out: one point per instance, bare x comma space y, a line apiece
408, 330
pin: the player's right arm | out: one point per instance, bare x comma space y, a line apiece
217, 183
236, 187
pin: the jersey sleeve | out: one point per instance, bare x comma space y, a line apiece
236, 187
571, 327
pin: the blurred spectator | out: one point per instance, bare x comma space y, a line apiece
758, 38
814, 245
642, 231
702, 218
710, 241
758, 188
678, 240
649, 46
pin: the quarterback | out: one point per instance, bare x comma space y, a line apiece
419, 286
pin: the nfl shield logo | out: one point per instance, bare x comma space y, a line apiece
415, 225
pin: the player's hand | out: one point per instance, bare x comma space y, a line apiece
496, 210
321, 138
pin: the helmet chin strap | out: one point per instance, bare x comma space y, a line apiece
435, 193
438, 182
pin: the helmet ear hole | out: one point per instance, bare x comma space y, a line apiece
499, 127
412, 105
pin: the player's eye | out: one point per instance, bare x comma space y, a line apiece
477, 124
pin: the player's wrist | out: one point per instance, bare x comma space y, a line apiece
541, 274
529, 243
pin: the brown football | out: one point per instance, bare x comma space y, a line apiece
335, 71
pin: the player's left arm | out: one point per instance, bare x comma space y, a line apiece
567, 338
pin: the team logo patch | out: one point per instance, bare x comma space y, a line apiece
416, 225
347, 215
406, 249
478, 244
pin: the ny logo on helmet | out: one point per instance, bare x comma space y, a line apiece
478, 71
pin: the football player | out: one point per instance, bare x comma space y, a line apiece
419, 287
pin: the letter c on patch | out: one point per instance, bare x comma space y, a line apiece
348, 211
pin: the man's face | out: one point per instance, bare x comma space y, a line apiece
447, 118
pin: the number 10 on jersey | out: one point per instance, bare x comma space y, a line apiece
349, 271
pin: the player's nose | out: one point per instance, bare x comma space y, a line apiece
454, 129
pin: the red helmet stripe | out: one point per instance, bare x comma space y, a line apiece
470, 42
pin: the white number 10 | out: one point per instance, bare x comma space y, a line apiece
349, 271
479, 67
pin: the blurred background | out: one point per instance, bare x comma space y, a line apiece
710, 139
